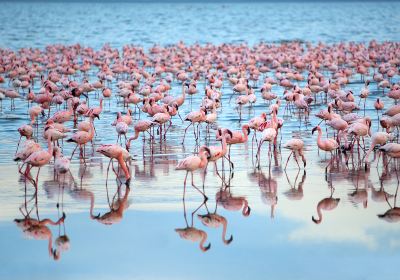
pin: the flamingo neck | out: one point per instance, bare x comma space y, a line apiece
91, 205
123, 202
70, 107
245, 207
202, 241
136, 135
204, 160
50, 245
319, 212
245, 135
319, 139
123, 166
224, 225
183, 92
50, 145
224, 146
91, 131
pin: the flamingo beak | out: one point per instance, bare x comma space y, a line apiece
227, 242
207, 247
247, 213
313, 130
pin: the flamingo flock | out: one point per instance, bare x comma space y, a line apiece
167, 93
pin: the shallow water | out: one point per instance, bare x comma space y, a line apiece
280, 242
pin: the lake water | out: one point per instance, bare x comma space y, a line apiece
279, 242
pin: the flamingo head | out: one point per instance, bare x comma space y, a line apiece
207, 151
247, 129
315, 128
315, 220
205, 219
55, 254
246, 211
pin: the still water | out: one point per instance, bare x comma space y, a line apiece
278, 240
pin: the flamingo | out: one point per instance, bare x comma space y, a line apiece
192, 163
81, 138
114, 151
295, 146
61, 163
327, 145
193, 118
24, 131
39, 159
217, 153
269, 135
140, 126
378, 138
238, 137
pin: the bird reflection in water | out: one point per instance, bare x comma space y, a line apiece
213, 220
268, 187
296, 193
62, 241
392, 215
117, 206
37, 228
190, 232
326, 204
360, 178
229, 202
379, 195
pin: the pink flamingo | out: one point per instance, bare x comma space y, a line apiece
217, 153
24, 131
327, 145
113, 151
232, 203
238, 137
193, 118
296, 146
81, 138
140, 126
39, 159
192, 163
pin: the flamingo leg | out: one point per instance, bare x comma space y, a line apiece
18, 143
37, 178
73, 152
295, 158
183, 140
194, 186
288, 159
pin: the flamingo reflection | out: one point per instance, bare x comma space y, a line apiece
326, 204
117, 208
191, 233
37, 228
229, 202
359, 177
214, 220
392, 215
296, 193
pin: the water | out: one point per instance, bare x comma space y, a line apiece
36, 25
281, 241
